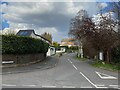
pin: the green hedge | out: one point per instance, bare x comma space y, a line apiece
12, 44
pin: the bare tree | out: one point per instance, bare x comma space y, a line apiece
76, 28
47, 36
102, 36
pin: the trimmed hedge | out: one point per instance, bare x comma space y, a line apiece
12, 44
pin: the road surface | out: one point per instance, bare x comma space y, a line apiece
68, 73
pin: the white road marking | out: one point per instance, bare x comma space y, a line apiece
29, 85
105, 76
74, 66
69, 61
101, 87
49, 86
86, 87
88, 79
7, 62
8, 85
9, 72
114, 85
68, 87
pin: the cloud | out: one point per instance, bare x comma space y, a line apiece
51, 30
53, 17
102, 5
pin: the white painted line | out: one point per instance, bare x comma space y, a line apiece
101, 87
105, 76
69, 61
74, 66
9, 72
29, 85
8, 85
114, 85
86, 87
68, 87
88, 79
49, 86
7, 62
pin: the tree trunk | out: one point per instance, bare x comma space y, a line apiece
107, 56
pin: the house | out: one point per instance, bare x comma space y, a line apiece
31, 33
68, 42
62, 50
51, 51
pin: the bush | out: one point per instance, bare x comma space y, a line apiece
116, 55
12, 44
73, 47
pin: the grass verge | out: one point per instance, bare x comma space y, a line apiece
79, 58
100, 64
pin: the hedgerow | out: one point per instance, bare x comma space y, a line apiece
13, 44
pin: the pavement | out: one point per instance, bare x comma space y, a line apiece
49, 62
68, 73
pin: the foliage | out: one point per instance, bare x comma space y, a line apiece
102, 35
12, 44
103, 65
56, 45
116, 55
73, 48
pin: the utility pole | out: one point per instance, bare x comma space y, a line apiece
80, 47
78, 55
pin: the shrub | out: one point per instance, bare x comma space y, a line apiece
12, 44
116, 55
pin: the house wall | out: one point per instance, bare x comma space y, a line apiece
33, 35
62, 50
51, 51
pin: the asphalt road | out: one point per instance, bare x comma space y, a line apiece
68, 73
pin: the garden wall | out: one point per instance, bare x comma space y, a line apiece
22, 59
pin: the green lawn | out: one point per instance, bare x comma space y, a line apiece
103, 65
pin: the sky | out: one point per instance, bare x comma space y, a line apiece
52, 17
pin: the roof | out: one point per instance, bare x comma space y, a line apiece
42, 37
68, 40
28, 33
25, 32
